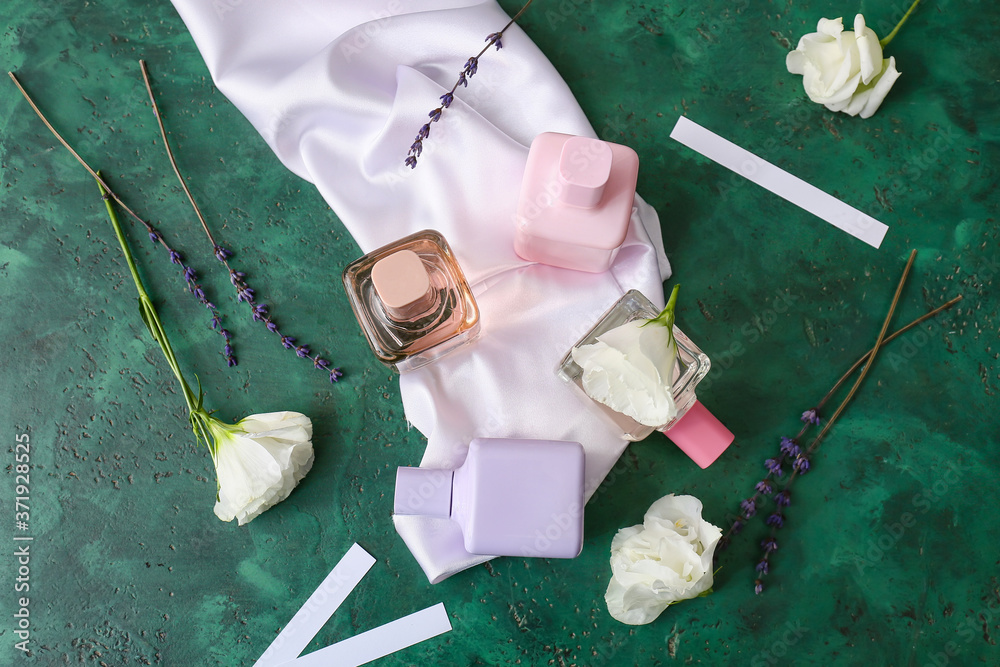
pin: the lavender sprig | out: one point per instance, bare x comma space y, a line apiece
195, 288
244, 293
188, 273
790, 449
468, 71
801, 460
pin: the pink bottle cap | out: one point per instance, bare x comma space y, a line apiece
584, 169
425, 491
700, 435
400, 279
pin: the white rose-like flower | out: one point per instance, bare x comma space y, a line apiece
259, 460
630, 368
665, 560
842, 70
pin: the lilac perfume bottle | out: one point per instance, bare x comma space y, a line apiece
412, 301
694, 429
511, 497
576, 201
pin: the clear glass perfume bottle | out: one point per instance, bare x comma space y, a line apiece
412, 301
695, 430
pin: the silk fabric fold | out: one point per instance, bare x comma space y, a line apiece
338, 90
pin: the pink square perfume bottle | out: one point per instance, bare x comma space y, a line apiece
412, 301
576, 201
695, 430
511, 497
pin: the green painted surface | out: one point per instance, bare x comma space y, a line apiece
130, 566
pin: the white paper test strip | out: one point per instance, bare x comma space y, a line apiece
381, 641
318, 609
780, 182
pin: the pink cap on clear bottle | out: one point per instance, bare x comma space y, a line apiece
700, 435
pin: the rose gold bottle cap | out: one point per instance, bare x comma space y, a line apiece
400, 279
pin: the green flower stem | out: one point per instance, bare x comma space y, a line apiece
666, 316
201, 421
884, 42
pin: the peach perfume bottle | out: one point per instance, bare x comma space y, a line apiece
575, 202
695, 430
412, 301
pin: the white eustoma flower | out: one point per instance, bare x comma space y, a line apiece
630, 368
663, 561
843, 71
259, 460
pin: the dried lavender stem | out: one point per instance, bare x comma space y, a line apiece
243, 290
154, 234
896, 334
864, 371
170, 153
770, 544
498, 36
891, 337
38, 112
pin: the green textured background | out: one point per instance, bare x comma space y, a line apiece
130, 566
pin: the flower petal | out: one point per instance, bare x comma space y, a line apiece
869, 50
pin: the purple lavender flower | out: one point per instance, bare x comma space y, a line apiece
763, 486
762, 566
776, 520
191, 280
810, 417
222, 254
758, 587
424, 132
259, 312
495, 38
789, 447
749, 507
769, 544
774, 465
801, 464
468, 71
783, 499
417, 148
737, 527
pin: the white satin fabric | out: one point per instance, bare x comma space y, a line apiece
338, 89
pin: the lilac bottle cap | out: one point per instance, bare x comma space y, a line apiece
425, 491
700, 435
